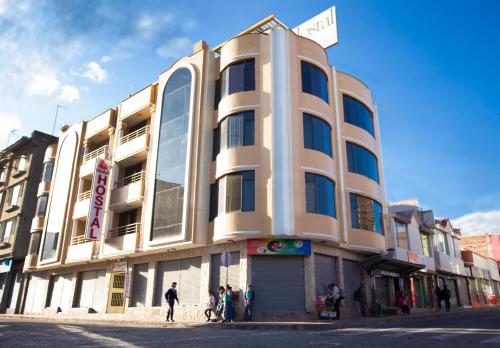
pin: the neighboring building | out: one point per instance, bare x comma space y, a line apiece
483, 278
412, 233
20, 170
258, 147
483, 244
449, 263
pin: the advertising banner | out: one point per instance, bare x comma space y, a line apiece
98, 196
127, 284
321, 28
278, 247
120, 266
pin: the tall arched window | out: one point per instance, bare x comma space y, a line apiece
170, 176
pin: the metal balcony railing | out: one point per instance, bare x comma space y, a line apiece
133, 135
123, 230
139, 176
79, 240
96, 153
84, 195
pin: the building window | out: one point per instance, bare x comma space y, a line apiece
239, 77
314, 81
217, 94
14, 193
234, 131
441, 242
170, 176
214, 199
127, 218
7, 228
3, 174
356, 113
366, 214
361, 161
402, 234
41, 206
424, 239
236, 192
320, 195
48, 168
34, 243
317, 134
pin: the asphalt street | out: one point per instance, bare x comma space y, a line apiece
470, 329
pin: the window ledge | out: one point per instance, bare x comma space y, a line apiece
11, 208
18, 173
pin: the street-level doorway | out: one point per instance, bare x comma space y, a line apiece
116, 299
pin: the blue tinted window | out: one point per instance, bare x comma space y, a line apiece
314, 81
248, 189
317, 134
234, 131
358, 114
236, 192
214, 198
361, 161
239, 77
320, 195
217, 94
366, 214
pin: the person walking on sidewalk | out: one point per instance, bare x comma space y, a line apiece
220, 304
171, 297
446, 295
359, 296
210, 305
249, 297
438, 294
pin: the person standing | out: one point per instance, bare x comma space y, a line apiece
334, 298
446, 295
220, 304
249, 297
437, 292
359, 296
171, 297
210, 305
228, 305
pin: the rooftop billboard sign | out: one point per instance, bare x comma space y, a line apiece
321, 28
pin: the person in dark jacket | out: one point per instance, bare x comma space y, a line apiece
171, 297
446, 295
438, 294
249, 297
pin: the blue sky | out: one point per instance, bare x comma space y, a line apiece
432, 66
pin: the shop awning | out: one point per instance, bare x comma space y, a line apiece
390, 265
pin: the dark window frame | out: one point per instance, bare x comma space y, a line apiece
358, 120
247, 190
356, 223
354, 166
321, 90
247, 82
314, 179
248, 132
310, 144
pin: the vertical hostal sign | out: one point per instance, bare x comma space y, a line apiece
98, 199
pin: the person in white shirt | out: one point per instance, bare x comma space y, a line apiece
210, 305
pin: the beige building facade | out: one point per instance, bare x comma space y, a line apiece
258, 147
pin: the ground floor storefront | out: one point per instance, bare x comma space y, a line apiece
458, 286
12, 283
289, 277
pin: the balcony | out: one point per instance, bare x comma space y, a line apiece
81, 249
450, 264
129, 194
30, 262
43, 188
428, 261
88, 164
37, 223
138, 106
133, 147
98, 127
82, 205
122, 239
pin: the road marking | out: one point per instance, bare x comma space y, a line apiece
492, 340
407, 333
101, 340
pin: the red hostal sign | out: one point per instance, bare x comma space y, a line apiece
95, 219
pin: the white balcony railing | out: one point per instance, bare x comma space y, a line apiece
79, 240
123, 230
84, 195
134, 135
139, 176
96, 153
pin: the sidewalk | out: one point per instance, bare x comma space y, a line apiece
311, 326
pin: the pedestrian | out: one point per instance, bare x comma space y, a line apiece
228, 305
437, 292
333, 299
249, 297
220, 304
402, 302
359, 296
171, 297
210, 305
446, 295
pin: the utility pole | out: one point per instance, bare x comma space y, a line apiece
55, 117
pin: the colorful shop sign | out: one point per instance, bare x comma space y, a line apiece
95, 219
278, 247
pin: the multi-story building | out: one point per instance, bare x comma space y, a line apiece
483, 278
412, 231
258, 148
449, 263
21, 167
486, 245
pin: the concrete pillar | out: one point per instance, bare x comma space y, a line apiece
310, 284
151, 284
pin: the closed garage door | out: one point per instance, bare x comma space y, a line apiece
218, 272
278, 282
325, 268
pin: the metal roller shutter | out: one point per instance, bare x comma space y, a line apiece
167, 272
189, 281
91, 290
218, 272
61, 292
382, 290
278, 282
139, 285
352, 280
325, 269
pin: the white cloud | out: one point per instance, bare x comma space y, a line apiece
44, 83
95, 72
175, 48
105, 59
69, 93
9, 122
479, 222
